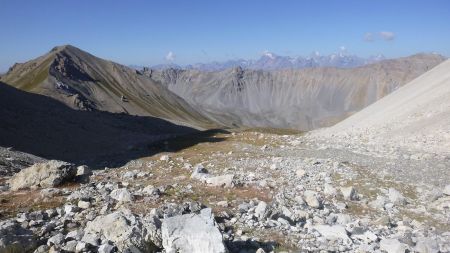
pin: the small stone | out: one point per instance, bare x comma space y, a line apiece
129, 175
122, 195
91, 239
84, 204
427, 245
42, 249
81, 247
106, 248
367, 236
221, 181
164, 158
70, 209
57, 240
311, 199
343, 219
349, 193
392, 246
262, 210
83, 170
151, 191
51, 213
378, 203
333, 233
329, 190
447, 190
382, 221
70, 246
222, 203
396, 197
50, 192
300, 173
199, 173
74, 235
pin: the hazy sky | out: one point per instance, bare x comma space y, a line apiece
152, 32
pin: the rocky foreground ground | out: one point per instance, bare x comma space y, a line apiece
248, 191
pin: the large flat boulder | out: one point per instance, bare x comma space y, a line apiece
45, 175
127, 231
192, 233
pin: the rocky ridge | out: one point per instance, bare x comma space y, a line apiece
86, 82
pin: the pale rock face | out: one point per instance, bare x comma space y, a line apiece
122, 195
192, 233
45, 175
413, 117
393, 246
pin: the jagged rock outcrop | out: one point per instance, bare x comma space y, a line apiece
125, 230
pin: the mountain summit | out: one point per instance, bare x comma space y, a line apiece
272, 61
86, 82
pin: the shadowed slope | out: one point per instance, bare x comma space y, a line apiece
44, 127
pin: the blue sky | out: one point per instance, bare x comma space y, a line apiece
144, 32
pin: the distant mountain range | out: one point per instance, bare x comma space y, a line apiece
271, 61
302, 99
